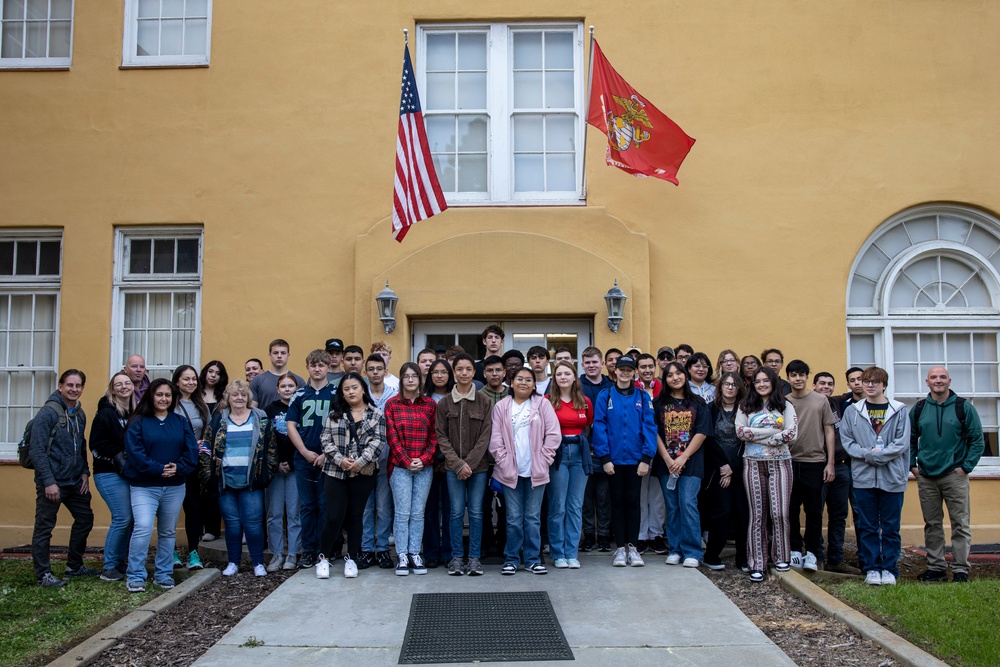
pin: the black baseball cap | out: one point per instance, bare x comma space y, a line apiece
625, 361
334, 345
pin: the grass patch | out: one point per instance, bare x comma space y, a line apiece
957, 622
37, 624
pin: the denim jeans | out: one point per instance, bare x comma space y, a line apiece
683, 520
377, 521
409, 495
243, 514
114, 489
879, 515
312, 503
461, 492
282, 498
567, 484
163, 505
524, 526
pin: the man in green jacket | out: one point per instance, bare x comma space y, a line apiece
944, 449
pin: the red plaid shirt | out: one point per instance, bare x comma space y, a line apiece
409, 430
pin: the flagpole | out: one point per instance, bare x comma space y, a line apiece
406, 37
586, 101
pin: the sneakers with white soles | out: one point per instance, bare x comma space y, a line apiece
275, 564
323, 568
888, 578
417, 564
350, 568
873, 578
796, 560
691, 562
230, 570
674, 559
560, 564
619, 560
633, 557
259, 570
809, 562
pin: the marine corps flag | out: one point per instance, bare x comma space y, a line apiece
641, 139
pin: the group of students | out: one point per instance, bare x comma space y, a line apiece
355, 450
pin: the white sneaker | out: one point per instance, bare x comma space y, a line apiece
259, 570
888, 578
207, 537
809, 562
322, 568
291, 562
674, 559
350, 568
275, 564
633, 557
619, 560
796, 560
230, 570
691, 562
561, 564
874, 578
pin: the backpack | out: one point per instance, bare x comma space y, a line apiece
919, 407
24, 446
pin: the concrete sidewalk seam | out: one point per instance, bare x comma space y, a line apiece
900, 649
89, 650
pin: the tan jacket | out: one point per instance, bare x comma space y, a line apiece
463, 425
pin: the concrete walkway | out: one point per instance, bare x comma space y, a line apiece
654, 615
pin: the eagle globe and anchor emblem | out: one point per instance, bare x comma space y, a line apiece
624, 130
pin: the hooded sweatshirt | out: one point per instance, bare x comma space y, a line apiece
878, 461
66, 459
941, 447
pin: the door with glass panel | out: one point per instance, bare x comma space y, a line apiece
576, 335
445, 333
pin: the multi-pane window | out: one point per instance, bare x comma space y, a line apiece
503, 106
30, 277
167, 32
925, 291
158, 298
36, 33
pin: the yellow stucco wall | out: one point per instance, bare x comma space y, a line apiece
814, 123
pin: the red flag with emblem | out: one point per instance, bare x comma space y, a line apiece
641, 139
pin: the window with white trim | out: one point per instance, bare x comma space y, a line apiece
30, 277
504, 110
925, 291
36, 34
157, 298
167, 33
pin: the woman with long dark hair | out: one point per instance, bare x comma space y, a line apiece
191, 406
237, 462
409, 425
524, 440
161, 451
725, 501
107, 442
699, 370
352, 438
437, 529
766, 422
683, 422
748, 366
213, 381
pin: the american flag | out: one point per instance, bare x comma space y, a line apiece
418, 194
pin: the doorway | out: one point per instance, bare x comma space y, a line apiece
575, 335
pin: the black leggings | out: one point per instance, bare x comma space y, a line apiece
345, 508
193, 519
624, 490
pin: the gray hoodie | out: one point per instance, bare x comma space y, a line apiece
885, 465
66, 461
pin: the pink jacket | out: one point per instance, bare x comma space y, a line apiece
543, 435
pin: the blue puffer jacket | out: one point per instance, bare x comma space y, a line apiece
624, 430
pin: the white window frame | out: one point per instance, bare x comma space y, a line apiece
50, 285
62, 62
125, 283
883, 322
499, 87
131, 37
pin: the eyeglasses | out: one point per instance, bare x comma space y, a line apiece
493, 371
439, 372
758, 383
122, 385
729, 385
871, 383
701, 366
410, 376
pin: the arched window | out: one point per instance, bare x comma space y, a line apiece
925, 291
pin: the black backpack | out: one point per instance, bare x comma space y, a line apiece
919, 407
24, 446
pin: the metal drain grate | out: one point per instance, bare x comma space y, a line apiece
482, 627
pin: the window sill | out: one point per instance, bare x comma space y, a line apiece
164, 66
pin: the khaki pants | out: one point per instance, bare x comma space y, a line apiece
953, 490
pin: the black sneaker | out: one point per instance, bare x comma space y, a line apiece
384, 560
82, 571
660, 545
308, 560
960, 577
933, 575
589, 544
111, 574
48, 580
604, 544
403, 566
363, 562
